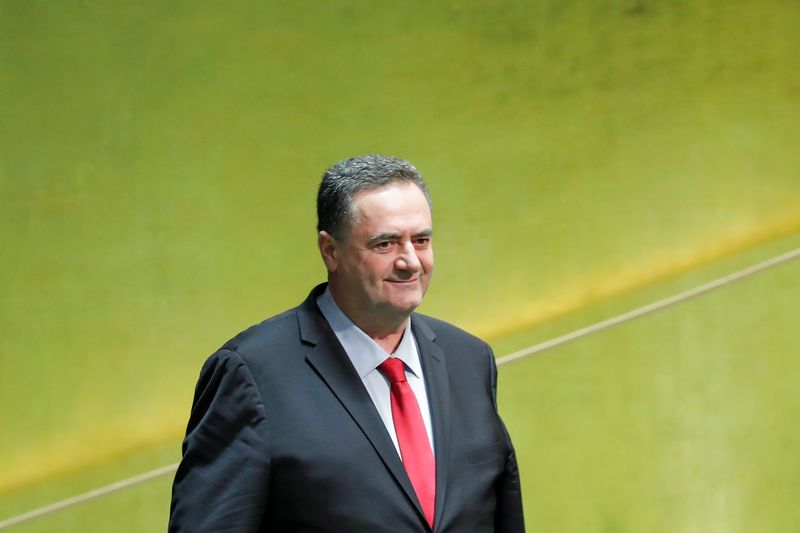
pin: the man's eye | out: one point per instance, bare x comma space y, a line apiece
384, 245
422, 242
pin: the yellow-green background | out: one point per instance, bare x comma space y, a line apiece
158, 163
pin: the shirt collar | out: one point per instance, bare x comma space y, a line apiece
366, 354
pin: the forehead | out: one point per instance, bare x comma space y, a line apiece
398, 207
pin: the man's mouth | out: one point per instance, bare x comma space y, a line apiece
403, 281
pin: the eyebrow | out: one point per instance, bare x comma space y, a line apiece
394, 236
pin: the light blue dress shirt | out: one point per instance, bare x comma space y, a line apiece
366, 355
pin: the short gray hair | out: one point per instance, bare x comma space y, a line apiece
343, 180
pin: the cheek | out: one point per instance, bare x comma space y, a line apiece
378, 268
427, 262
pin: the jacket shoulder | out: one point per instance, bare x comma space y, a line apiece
276, 334
447, 333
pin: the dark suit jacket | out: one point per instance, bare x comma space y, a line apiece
283, 437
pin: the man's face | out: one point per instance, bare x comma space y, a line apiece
383, 267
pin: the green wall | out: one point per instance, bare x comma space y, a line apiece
158, 163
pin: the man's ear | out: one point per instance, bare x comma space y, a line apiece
328, 250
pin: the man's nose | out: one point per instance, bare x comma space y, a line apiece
408, 260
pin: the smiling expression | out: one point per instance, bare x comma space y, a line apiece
381, 271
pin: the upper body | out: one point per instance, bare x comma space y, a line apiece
286, 435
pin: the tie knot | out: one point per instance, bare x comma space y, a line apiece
394, 370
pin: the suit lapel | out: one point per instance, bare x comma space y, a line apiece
333, 366
438, 388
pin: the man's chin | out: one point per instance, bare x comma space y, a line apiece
407, 306
398, 306
405, 298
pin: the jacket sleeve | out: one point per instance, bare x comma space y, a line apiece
508, 515
222, 483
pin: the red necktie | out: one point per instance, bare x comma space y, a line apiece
415, 449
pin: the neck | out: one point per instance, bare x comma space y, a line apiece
388, 336
390, 342
387, 331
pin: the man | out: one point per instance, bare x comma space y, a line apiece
350, 412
